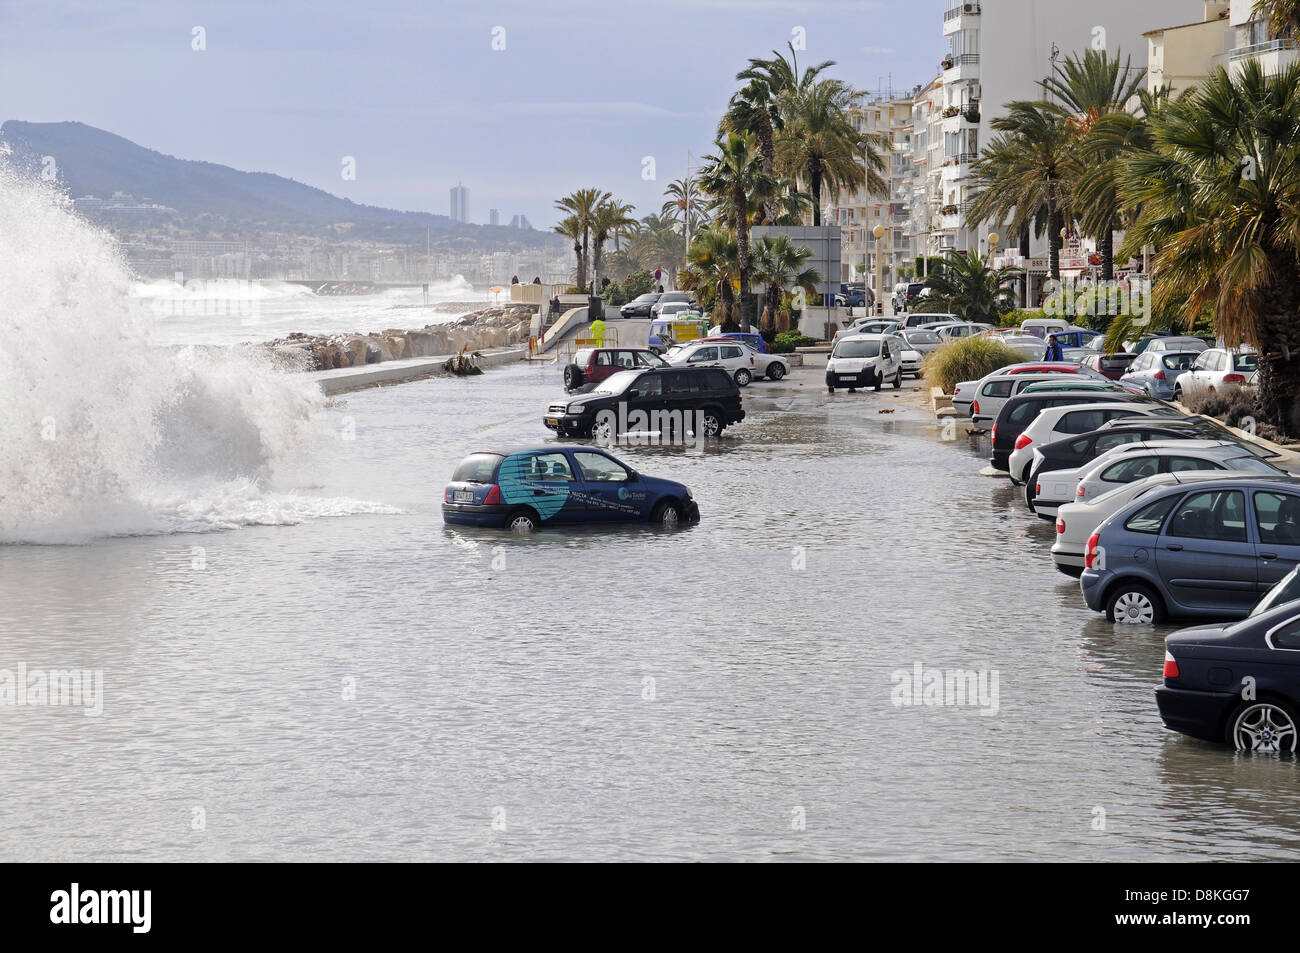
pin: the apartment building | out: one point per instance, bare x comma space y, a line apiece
1253, 41
1182, 56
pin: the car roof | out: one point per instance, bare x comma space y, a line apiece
1263, 479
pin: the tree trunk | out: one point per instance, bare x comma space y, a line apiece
773, 304
726, 305
598, 254
767, 146
815, 183
1279, 346
1108, 255
742, 259
1055, 222
585, 253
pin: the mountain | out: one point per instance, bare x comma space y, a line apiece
91, 161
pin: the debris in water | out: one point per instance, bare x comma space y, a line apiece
463, 366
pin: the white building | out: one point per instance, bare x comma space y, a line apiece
1253, 41
999, 52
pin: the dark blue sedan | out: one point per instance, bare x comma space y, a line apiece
524, 490
1238, 684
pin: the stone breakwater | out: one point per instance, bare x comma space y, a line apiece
491, 327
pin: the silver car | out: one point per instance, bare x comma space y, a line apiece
1215, 368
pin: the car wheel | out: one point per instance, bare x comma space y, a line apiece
879, 382
1132, 603
829, 389
602, 430
898, 379
712, 424
776, 370
1263, 725
743, 377
522, 521
1178, 393
667, 514
573, 377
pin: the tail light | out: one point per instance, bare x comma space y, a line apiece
1023, 441
1233, 379
1090, 556
994, 435
446, 495
975, 407
1038, 489
1171, 666
493, 495
1060, 526
1081, 492
1159, 375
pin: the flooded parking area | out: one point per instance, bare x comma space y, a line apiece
861, 652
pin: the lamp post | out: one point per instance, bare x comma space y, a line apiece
879, 232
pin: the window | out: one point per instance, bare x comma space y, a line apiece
598, 468
650, 385
626, 359
1247, 362
1000, 388
1024, 411
702, 355
1131, 470
1278, 517
604, 358
476, 468
713, 381
1180, 464
1150, 518
1081, 421
730, 352
1287, 635
645, 359
1213, 514
1178, 362
1109, 441
547, 467
677, 383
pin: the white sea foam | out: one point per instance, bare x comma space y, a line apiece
104, 433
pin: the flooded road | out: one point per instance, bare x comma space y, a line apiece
378, 687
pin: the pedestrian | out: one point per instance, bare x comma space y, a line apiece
661, 289
1054, 352
514, 279
598, 332
537, 279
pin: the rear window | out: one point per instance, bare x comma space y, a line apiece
1116, 362
1178, 362
857, 349
477, 468
1247, 362
581, 358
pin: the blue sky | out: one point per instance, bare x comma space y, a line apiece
580, 95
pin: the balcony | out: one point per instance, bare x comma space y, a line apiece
958, 67
960, 16
1274, 56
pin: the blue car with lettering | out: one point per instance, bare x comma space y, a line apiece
524, 490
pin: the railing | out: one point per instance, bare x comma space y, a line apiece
1270, 46
961, 59
962, 9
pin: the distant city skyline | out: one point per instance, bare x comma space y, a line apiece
459, 203
253, 87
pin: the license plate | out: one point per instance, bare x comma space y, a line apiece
463, 496
848, 377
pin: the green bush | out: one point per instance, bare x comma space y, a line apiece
1013, 319
967, 359
634, 285
787, 341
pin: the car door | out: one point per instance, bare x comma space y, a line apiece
1205, 555
1195, 378
732, 357
545, 482
1277, 523
605, 488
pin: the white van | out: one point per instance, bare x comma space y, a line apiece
865, 360
1042, 327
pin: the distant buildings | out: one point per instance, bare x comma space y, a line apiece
459, 203
520, 221
494, 217
1252, 41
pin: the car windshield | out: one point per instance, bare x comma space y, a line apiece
857, 349
1285, 590
1247, 362
477, 468
922, 337
617, 383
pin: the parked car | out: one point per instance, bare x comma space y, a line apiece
753, 339
963, 395
1077, 521
911, 358
1214, 368
1156, 371
995, 390
1055, 423
952, 332
1033, 348
1021, 410
1042, 327
741, 361
1206, 551
865, 360
1110, 366
922, 318
1172, 342
707, 395
853, 326
1137, 461
851, 296
669, 297
676, 311
1201, 428
1142, 343
525, 490
918, 340
906, 294
878, 326
639, 307
1085, 384
591, 365
1205, 669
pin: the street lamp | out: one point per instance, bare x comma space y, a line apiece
879, 232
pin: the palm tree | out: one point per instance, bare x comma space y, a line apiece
782, 265
1220, 197
571, 228
819, 147
734, 174
583, 204
684, 202
1283, 16
1023, 175
712, 270
658, 244
966, 286
1093, 88
609, 216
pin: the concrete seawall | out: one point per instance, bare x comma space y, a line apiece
341, 380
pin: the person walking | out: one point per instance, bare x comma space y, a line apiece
514, 279
1054, 351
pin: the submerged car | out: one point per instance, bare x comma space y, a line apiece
699, 399
525, 490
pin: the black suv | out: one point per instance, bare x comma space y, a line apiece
667, 399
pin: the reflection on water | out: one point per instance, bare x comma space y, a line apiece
384, 687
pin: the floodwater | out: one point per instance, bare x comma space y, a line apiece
378, 687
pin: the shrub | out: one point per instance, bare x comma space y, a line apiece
634, 285
967, 359
1013, 319
787, 341
1235, 405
